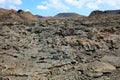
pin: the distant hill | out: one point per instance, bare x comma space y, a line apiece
39, 16
98, 12
67, 15
112, 11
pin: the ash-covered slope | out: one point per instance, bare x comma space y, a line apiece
61, 49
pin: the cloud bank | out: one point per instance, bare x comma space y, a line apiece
10, 3
88, 4
55, 4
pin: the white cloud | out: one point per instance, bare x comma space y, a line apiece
27, 10
17, 2
41, 7
10, 3
12, 7
63, 5
55, 4
112, 3
76, 3
93, 4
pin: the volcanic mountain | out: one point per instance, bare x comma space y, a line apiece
67, 15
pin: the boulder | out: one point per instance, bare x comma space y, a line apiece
114, 60
99, 69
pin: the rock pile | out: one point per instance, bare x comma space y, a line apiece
61, 49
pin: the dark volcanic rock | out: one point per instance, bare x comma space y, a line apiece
20, 11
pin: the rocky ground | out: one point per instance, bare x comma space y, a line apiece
61, 49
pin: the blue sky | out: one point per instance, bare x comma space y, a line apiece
53, 7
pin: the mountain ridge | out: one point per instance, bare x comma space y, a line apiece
18, 16
67, 15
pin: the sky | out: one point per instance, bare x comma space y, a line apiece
53, 7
